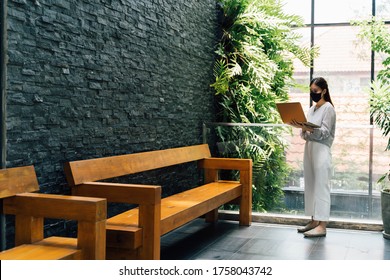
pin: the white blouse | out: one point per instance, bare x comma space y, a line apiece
325, 117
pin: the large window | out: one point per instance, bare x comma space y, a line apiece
348, 66
347, 63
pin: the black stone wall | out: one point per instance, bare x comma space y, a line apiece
93, 78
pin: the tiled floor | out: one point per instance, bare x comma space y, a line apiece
228, 241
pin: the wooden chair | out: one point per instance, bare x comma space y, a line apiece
17, 187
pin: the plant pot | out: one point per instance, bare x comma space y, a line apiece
385, 204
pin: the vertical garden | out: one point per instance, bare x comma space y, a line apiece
253, 71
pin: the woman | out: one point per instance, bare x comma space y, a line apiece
317, 158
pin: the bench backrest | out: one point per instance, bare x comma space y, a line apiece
98, 169
17, 180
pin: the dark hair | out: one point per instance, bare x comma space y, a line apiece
322, 84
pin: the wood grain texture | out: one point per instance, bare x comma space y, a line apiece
78, 172
40, 252
17, 180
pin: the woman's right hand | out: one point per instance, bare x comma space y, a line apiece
296, 124
304, 128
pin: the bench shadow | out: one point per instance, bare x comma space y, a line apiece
192, 238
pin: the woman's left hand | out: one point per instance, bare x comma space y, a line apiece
307, 128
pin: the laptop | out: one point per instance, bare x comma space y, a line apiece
293, 111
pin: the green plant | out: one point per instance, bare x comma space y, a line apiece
253, 71
376, 32
380, 113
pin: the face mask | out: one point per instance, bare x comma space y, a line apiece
315, 96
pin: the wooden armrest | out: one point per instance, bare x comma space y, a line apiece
123, 193
226, 163
30, 209
212, 167
57, 206
149, 200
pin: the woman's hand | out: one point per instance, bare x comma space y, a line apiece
296, 124
307, 128
304, 128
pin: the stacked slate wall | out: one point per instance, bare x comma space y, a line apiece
97, 78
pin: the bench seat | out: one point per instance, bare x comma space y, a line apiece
51, 248
181, 208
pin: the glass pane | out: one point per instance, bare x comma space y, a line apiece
345, 63
350, 181
303, 9
301, 74
383, 9
336, 11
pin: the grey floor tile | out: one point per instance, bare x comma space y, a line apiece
226, 240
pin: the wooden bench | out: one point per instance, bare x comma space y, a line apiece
17, 187
136, 233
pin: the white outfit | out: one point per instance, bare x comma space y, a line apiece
317, 161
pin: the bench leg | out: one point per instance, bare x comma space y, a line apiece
246, 198
212, 216
211, 175
149, 221
92, 240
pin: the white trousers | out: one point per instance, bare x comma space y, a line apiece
317, 163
